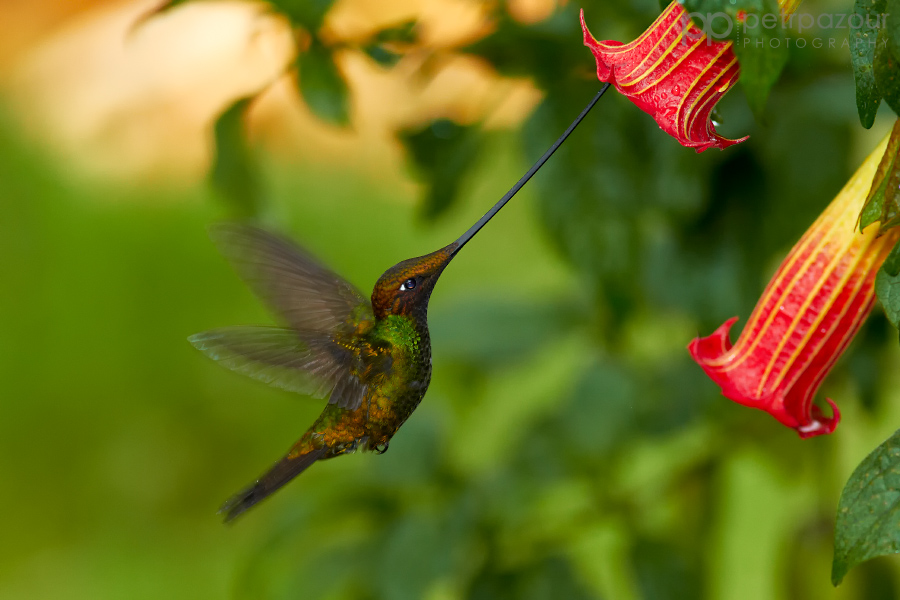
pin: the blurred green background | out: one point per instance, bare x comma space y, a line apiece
567, 448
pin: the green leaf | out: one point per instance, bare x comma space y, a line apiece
235, 173
761, 52
868, 516
887, 72
382, 55
883, 201
322, 85
871, 212
887, 286
386, 47
863, 41
442, 153
308, 13
759, 41
404, 32
892, 26
891, 265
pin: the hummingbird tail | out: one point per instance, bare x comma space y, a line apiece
283, 471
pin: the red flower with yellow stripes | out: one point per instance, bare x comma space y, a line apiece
808, 314
674, 73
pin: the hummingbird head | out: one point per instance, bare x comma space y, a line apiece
406, 287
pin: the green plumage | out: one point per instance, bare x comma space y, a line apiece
371, 359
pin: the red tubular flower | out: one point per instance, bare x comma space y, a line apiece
806, 317
673, 73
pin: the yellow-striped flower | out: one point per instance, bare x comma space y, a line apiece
807, 316
675, 72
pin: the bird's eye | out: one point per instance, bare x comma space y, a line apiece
408, 284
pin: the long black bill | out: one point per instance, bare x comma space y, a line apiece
468, 235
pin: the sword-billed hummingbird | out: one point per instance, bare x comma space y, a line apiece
371, 359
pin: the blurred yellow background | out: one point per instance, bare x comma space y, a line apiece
120, 100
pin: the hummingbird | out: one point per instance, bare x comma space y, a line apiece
371, 357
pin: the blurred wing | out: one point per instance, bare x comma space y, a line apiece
315, 366
308, 295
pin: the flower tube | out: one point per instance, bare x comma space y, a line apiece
674, 73
806, 317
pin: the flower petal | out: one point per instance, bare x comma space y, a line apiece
808, 314
674, 73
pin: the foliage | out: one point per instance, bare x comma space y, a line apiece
567, 446
442, 153
863, 59
887, 285
322, 85
868, 517
234, 173
883, 63
883, 202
